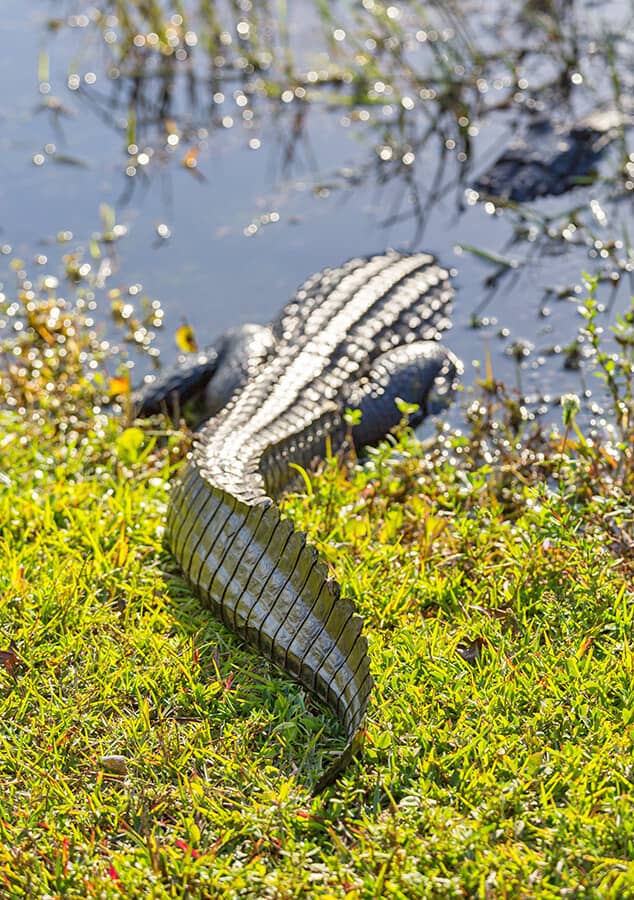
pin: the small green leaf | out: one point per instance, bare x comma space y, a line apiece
352, 417
131, 129
108, 218
129, 443
383, 741
405, 408
305, 477
43, 67
533, 763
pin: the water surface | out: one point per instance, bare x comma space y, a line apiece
285, 186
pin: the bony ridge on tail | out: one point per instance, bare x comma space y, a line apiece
356, 336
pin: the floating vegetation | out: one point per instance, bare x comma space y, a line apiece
403, 59
420, 85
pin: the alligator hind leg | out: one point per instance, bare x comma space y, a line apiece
173, 387
421, 373
210, 377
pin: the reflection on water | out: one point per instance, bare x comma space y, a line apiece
245, 149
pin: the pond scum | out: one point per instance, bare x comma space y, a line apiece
145, 752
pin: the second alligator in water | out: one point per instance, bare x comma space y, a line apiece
550, 159
358, 336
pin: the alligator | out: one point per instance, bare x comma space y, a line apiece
550, 158
358, 336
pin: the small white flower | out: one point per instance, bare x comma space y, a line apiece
570, 404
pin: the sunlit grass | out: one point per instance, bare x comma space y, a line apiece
145, 752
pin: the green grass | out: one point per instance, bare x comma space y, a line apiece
144, 752
498, 759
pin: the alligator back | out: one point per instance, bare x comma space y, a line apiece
246, 562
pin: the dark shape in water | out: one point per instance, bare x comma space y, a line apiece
550, 159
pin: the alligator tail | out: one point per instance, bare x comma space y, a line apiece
266, 583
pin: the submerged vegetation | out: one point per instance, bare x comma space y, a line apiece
418, 82
428, 94
145, 752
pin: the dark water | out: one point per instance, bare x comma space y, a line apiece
302, 185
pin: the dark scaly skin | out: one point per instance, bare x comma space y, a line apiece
350, 336
230, 361
550, 159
